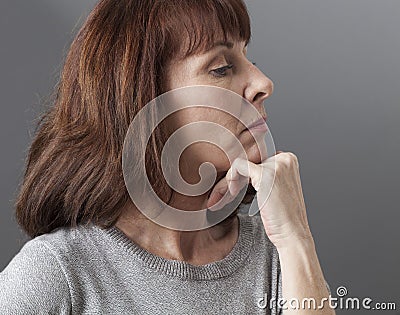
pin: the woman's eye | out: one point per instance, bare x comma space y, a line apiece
221, 72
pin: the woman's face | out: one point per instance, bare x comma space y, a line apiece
225, 65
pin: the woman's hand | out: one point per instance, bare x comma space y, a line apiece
283, 214
282, 208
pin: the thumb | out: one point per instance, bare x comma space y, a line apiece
217, 193
226, 190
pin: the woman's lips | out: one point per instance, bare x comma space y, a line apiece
259, 125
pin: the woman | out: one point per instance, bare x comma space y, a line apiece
93, 251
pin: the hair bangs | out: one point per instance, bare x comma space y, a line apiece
198, 24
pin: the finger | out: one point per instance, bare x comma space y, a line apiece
273, 157
226, 190
217, 193
244, 168
220, 196
219, 200
235, 181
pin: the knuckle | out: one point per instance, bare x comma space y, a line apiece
234, 166
286, 161
292, 159
279, 167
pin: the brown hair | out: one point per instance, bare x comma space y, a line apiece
114, 67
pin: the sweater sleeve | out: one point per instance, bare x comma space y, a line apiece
34, 283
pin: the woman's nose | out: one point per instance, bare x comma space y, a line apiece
259, 87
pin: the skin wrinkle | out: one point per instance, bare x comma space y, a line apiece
115, 65
74, 176
212, 244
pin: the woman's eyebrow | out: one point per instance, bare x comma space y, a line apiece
223, 43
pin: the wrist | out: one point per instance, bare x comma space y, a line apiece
295, 242
288, 235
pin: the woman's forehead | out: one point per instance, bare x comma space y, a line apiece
189, 48
198, 26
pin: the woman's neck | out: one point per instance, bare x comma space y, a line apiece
195, 247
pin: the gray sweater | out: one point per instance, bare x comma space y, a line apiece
89, 270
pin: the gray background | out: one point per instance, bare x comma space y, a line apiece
336, 69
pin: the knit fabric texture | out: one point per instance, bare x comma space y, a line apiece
90, 270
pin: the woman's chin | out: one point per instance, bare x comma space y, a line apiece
256, 153
254, 156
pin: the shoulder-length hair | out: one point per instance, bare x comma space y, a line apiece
114, 67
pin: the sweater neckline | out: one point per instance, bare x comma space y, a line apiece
184, 270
